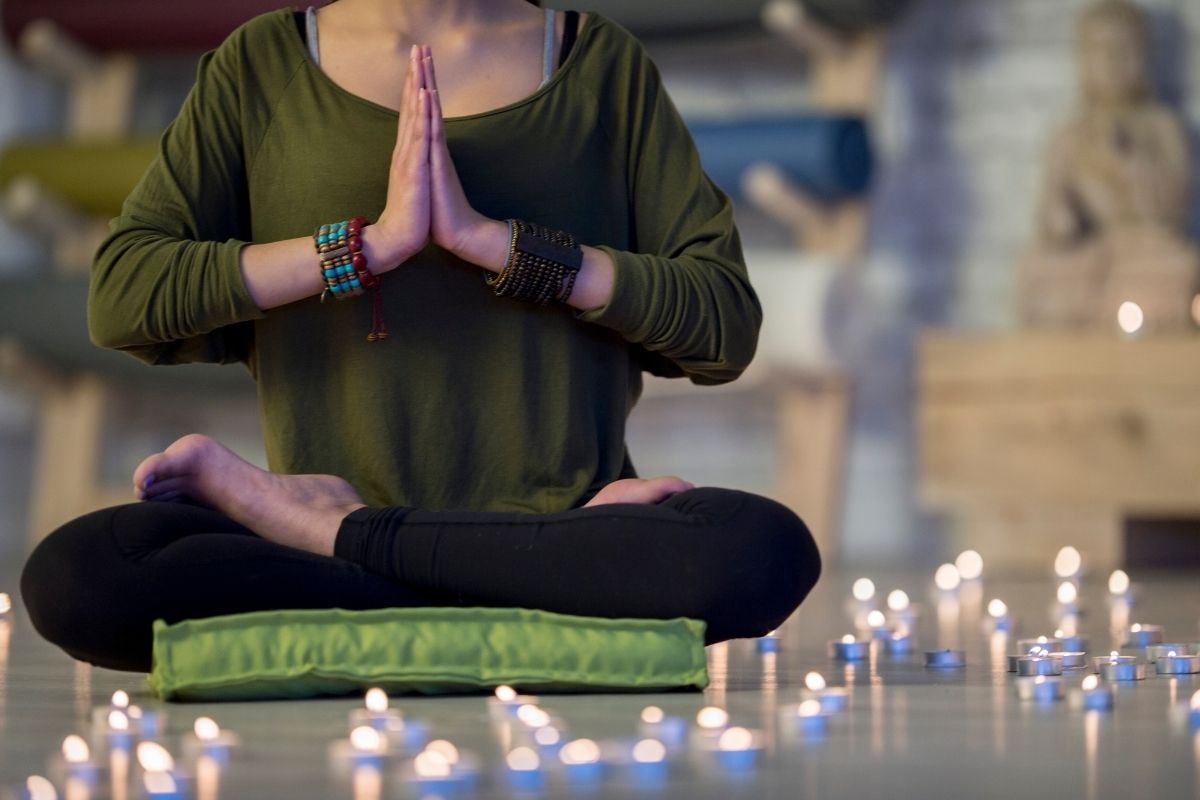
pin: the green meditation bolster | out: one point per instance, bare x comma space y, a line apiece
306, 653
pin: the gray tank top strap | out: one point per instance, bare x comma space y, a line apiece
548, 47
313, 49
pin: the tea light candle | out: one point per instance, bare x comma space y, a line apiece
77, 757
1074, 643
900, 643
1156, 651
947, 578
524, 768
1044, 642
1178, 664
863, 590
1142, 636
119, 735
1039, 664
738, 749
208, 739
998, 614
830, 699
945, 659
877, 625
581, 761
849, 649
656, 724
506, 701
769, 643
367, 747
1068, 598
970, 565
160, 780
900, 607
1040, 689
375, 712
1093, 695
649, 762
1070, 660
1119, 588
1121, 668
711, 722
808, 719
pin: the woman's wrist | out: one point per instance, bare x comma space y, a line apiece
381, 250
485, 244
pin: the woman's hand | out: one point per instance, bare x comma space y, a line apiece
402, 230
454, 224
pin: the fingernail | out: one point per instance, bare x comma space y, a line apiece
413, 52
149, 480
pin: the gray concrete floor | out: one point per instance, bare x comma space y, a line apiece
910, 732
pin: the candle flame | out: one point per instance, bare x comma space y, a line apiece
1040, 679
120, 699
431, 764
1113, 656
814, 681
809, 708
1130, 317
376, 700
522, 759
876, 619
652, 715
735, 739
712, 717
969, 564
506, 694
947, 577
154, 757
118, 721
580, 751
40, 788
1068, 562
445, 749
1118, 582
546, 736
1171, 654
649, 751
206, 729
863, 589
848, 638
1090, 683
997, 608
75, 750
897, 600
533, 716
1135, 627
365, 739
1068, 593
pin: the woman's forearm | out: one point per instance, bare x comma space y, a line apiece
488, 248
283, 272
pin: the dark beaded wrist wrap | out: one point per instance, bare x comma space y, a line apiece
541, 266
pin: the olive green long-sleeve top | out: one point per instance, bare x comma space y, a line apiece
474, 402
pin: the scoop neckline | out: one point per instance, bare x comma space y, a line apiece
559, 74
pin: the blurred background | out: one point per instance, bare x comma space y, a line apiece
971, 224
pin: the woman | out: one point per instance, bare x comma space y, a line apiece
479, 442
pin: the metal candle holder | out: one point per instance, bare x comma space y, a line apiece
1142, 636
945, 659
850, 651
1029, 666
1178, 664
1070, 659
1122, 668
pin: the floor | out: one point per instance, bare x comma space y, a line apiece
909, 731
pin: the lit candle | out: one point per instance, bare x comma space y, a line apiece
849, 649
900, 643
581, 761
1130, 317
1074, 643
947, 578
1174, 663
1040, 689
441, 769
38, 787
998, 613
831, 699
654, 723
524, 768
1120, 590
945, 659
970, 565
159, 777
1156, 651
808, 719
1068, 563
506, 701
548, 740
1142, 636
649, 762
1068, 598
877, 625
900, 608
367, 747
1070, 659
77, 757
208, 739
768, 643
1093, 695
1121, 668
1038, 663
1044, 642
119, 735
863, 590
375, 711
738, 749
711, 721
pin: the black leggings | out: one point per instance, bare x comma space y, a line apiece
740, 562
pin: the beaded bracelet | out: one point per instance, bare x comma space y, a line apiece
344, 268
542, 264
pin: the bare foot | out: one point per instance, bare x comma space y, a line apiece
301, 511
646, 491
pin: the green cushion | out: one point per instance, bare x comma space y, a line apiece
306, 653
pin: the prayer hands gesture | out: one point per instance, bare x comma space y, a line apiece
425, 199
